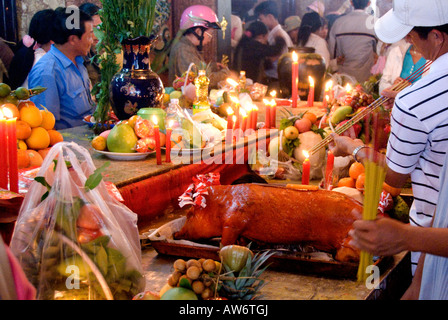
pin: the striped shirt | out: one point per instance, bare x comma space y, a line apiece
419, 139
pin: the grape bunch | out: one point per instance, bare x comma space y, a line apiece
359, 99
200, 274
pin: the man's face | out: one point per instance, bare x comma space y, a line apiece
266, 19
84, 44
96, 23
421, 45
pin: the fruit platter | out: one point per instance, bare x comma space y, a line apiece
132, 139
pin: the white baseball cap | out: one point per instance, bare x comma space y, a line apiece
407, 14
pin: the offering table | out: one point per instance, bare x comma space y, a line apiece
152, 191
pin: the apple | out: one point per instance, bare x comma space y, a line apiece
291, 132
303, 125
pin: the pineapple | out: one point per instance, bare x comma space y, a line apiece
245, 284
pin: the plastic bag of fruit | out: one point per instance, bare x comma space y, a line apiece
72, 238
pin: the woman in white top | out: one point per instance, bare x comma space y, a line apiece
396, 68
312, 33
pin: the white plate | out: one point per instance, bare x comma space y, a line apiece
186, 152
125, 156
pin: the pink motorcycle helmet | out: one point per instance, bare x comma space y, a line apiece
199, 16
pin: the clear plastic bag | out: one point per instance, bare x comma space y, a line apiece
72, 238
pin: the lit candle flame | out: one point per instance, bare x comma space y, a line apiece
234, 99
329, 85
348, 88
306, 154
311, 80
327, 97
273, 93
243, 112
295, 57
170, 123
232, 82
234, 119
154, 120
1, 114
7, 113
254, 108
229, 111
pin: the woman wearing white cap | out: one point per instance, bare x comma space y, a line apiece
417, 148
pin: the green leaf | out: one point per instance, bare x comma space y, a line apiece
185, 283
43, 182
95, 178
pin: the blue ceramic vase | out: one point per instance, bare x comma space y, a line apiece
136, 86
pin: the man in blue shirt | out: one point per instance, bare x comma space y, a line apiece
62, 70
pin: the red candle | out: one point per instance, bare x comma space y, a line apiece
325, 104
273, 114
249, 120
306, 167
329, 169
243, 121
3, 153
157, 138
254, 117
229, 125
168, 141
267, 119
295, 79
311, 92
12, 155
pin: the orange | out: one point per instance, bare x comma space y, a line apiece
39, 139
55, 137
48, 119
23, 130
99, 143
25, 104
13, 108
35, 158
392, 190
21, 145
31, 114
23, 159
360, 182
355, 170
346, 182
311, 116
43, 152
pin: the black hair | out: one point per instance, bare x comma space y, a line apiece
41, 26
311, 22
62, 21
90, 8
267, 7
41, 30
360, 4
255, 29
423, 32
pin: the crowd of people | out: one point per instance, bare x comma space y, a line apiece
403, 40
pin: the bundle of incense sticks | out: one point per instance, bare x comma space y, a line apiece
372, 107
375, 171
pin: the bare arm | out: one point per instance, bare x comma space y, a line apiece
387, 236
343, 146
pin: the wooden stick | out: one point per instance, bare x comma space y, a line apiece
372, 107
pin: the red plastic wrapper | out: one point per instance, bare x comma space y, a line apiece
194, 195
